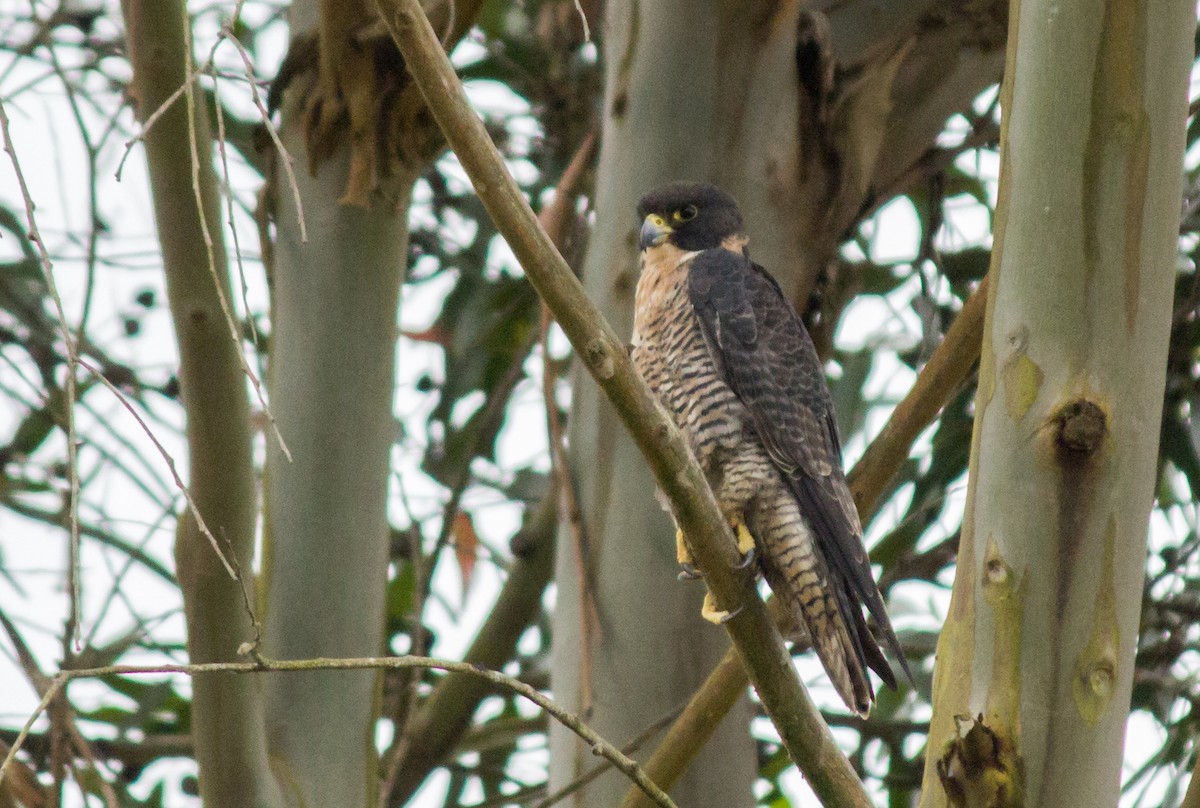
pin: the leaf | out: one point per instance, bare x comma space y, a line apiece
401, 597
1178, 446
880, 280
848, 405
527, 485
964, 268
437, 335
466, 546
31, 433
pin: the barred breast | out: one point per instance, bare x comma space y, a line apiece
670, 352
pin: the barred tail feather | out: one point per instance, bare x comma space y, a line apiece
797, 573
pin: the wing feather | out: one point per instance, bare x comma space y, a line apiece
765, 354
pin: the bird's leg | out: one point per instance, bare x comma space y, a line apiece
688, 572
745, 542
746, 547
712, 614
683, 554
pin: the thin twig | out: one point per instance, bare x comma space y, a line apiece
284, 155
222, 151
170, 461
148, 124
637, 743
93, 531
62, 717
589, 614
72, 359
598, 745
226, 310
587, 32
56, 685
556, 219
437, 727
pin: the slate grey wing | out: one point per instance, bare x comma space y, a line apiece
766, 356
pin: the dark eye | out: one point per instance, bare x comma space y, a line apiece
686, 213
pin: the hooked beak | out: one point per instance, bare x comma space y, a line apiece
654, 231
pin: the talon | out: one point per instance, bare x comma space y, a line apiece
747, 559
688, 572
710, 612
718, 617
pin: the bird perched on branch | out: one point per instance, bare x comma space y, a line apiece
729, 358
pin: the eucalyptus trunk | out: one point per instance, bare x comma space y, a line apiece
1038, 648
332, 375
227, 711
649, 648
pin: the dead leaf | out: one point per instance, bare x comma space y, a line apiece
466, 545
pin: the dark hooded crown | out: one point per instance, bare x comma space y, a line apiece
716, 215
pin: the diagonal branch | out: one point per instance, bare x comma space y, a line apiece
759, 643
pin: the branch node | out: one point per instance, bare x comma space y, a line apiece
600, 359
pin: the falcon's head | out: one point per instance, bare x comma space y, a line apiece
691, 217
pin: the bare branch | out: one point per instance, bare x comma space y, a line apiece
170, 461
572, 722
72, 359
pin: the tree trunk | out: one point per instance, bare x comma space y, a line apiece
227, 711
1038, 648
651, 649
332, 383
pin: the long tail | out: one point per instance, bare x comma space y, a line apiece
793, 567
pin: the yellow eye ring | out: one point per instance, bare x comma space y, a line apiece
685, 214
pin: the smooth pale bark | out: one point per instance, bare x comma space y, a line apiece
1043, 624
326, 557
651, 649
227, 711
712, 91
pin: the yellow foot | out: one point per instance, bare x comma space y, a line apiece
687, 570
712, 614
682, 553
745, 542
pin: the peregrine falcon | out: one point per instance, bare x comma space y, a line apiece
729, 358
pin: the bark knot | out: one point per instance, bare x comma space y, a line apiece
600, 359
1080, 426
979, 766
